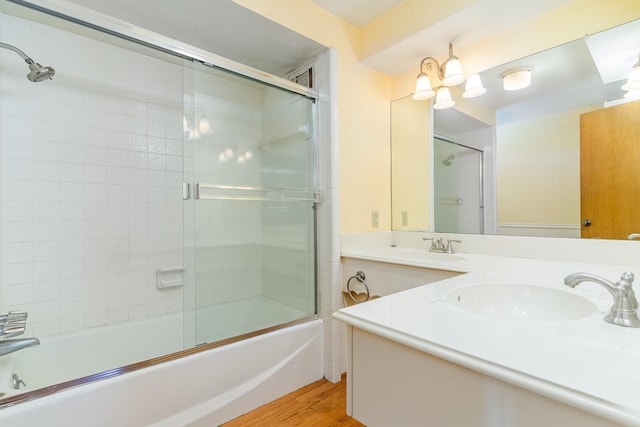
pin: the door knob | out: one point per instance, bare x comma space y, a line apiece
586, 222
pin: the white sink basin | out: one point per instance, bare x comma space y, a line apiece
520, 302
425, 255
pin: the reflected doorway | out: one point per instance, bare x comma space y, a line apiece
458, 196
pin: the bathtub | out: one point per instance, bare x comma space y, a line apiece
200, 389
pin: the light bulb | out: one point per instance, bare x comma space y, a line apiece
473, 87
453, 72
443, 99
423, 88
633, 83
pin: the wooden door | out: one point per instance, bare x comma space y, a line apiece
610, 172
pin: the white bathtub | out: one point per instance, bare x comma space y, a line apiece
203, 389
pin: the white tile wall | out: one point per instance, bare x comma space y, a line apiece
91, 181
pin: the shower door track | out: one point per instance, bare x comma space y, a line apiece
49, 390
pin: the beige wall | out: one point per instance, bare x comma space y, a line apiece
538, 170
411, 162
363, 108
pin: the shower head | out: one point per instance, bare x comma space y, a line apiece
37, 72
448, 160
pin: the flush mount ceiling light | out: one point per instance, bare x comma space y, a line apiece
516, 79
450, 73
632, 94
633, 83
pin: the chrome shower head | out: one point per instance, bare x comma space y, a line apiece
37, 72
448, 160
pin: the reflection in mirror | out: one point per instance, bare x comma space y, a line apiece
413, 187
534, 183
457, 179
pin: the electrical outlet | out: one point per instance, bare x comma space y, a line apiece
405, 218
375, 219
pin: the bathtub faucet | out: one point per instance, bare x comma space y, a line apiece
9, 346
624, 311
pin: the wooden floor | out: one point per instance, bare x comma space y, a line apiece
319, 404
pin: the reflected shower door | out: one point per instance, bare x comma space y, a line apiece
254, 182
457, 188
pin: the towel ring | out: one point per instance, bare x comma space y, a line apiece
360, 278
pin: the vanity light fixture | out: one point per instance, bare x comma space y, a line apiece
443, 99
516, 79
633, 83
450, 73
473, 87
196, 125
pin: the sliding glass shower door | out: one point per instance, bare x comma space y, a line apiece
252, 185
458, 198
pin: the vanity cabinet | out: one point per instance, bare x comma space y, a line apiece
385, 278
390, 384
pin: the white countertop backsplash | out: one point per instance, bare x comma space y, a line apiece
586, 362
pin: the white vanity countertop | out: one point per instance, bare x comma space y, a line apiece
586, 363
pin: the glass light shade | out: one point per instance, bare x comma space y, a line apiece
517, 79
453, 72
443, 99
633, 83
473, 87
204, 126
632, 94
423, 88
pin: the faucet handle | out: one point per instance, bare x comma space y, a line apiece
628, 277
626, 283
450, 246
434, 242
13, 324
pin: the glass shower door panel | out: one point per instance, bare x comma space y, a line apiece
254, 216
457, 188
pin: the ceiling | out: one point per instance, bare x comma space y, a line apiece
221, 26
358, 12
469, 23
235, 32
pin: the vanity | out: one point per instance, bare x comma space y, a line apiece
502, 343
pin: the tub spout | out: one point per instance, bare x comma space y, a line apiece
624, 311
9, 346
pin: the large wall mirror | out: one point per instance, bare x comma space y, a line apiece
530, 141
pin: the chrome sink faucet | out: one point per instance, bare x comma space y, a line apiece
438, 245
624, 311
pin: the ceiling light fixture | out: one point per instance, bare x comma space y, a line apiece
633, 82
450, 73
516, 79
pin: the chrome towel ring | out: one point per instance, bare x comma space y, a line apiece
360, 277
